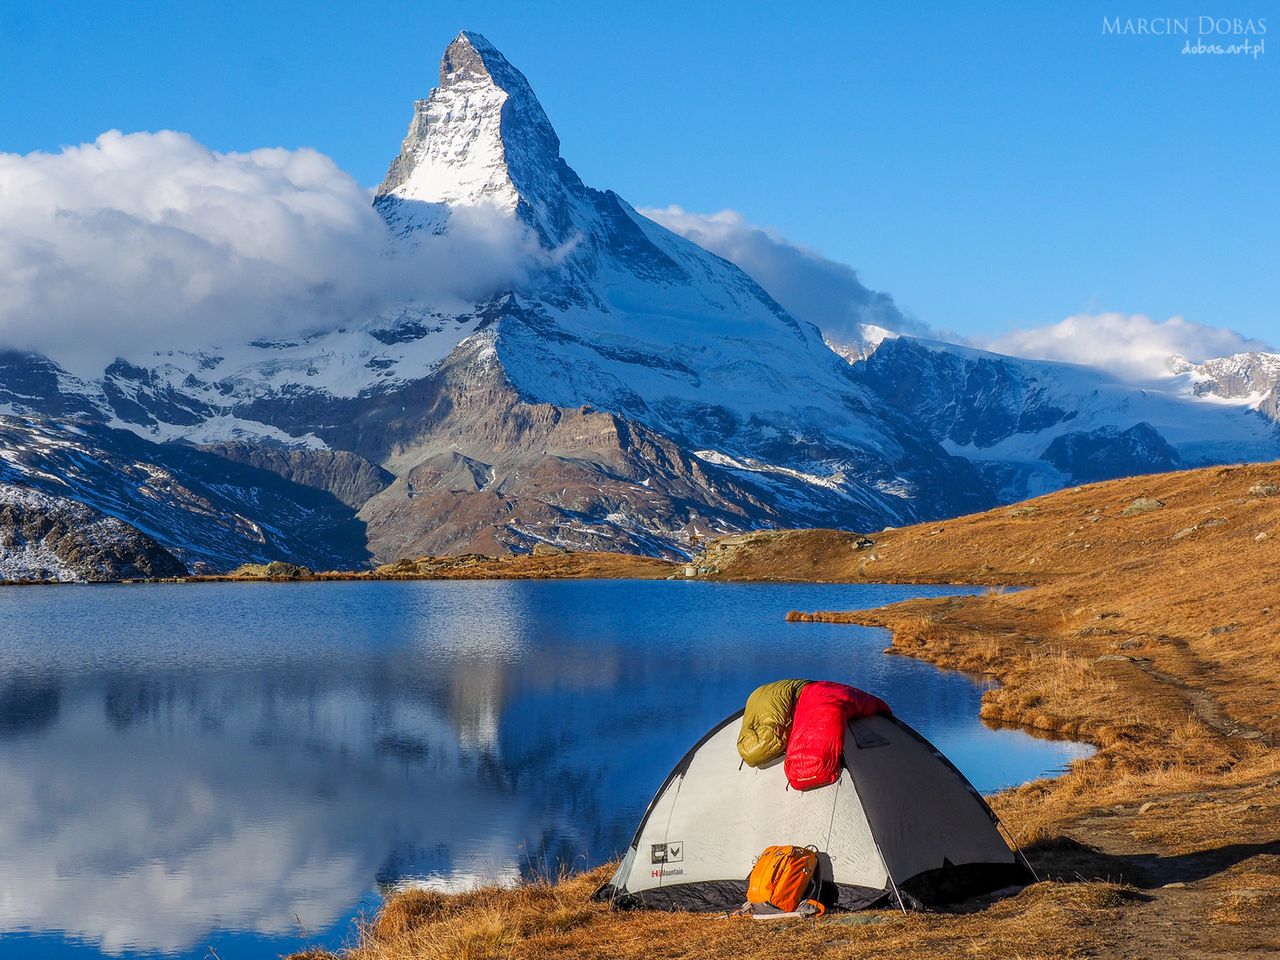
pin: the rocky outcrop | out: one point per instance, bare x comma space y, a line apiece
495, 474
1109, 453
1142, 505
275, 570
50, 538
1254, 377
1239, 375
348, 476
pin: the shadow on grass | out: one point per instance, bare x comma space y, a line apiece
1067, 860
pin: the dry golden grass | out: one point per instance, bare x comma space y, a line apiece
540, 921
491, 922
1150, 635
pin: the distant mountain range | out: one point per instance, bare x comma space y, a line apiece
636, 392
1031, 426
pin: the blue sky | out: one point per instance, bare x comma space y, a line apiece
990, 168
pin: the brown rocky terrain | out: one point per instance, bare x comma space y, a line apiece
1147, 629
482, 471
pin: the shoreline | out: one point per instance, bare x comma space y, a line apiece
1146, 633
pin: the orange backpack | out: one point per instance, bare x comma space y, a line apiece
783, 877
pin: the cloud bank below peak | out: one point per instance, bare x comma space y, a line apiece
155, 239
811, 287
1129, 345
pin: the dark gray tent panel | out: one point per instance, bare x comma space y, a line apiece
900, 821
936, 834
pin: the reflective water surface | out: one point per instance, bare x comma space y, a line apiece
246, 766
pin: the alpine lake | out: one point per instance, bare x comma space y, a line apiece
238, 770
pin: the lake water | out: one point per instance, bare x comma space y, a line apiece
246, 766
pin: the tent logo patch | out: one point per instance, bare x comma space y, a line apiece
670, 852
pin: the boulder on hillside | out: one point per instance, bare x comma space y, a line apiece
548, 550
275, 570
1142, 505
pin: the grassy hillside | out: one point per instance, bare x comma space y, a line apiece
1148, 628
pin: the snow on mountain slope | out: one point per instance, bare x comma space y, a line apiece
203, 508
633, 318
1004, 413
866, 339
496, 132
200, 394
1253, 378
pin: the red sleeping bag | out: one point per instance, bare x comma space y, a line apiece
823, 710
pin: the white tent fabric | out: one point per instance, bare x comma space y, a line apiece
900, 818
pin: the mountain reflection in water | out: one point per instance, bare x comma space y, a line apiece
183, 766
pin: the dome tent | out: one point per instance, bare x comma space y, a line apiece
901, 826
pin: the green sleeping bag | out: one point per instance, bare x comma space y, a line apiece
766, 721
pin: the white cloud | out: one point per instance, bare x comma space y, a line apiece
153, 237
1130, 345
825, 293
830, 295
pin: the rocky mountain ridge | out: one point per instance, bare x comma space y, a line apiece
209, 511
1253, 377
1031, 426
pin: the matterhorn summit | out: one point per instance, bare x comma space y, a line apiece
748, 408
481, 137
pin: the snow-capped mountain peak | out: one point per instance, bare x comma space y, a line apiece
1251, 375
862, 342
480, 137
